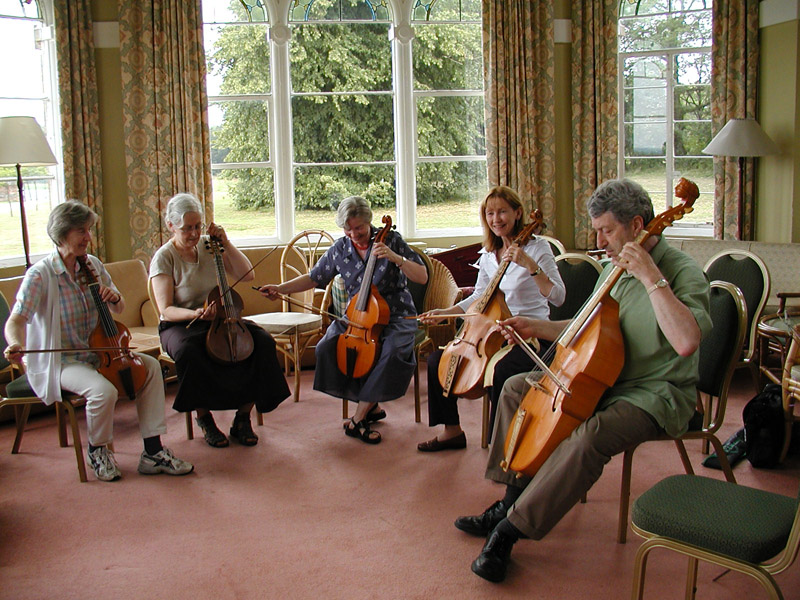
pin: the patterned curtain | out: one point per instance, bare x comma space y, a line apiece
80, 127
594, 105
165, 115
519, 68
734, 81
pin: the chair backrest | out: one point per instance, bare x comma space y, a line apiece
4, 312
443, 292
748, 272
298, 258
555, 245
420, 290
721, 348
579, 273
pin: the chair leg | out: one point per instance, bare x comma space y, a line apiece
21, 416
639, 570
417, 415
61, 425
723, 459
625, 496
76, 439
485, 421
344, 408
691, 579
259, 419
189, 428
296, 359
687, 464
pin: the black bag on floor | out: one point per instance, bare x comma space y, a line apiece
764, 427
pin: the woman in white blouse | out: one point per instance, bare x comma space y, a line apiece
530, 283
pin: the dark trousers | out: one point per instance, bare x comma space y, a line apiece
443, 410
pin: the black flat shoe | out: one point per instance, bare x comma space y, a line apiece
492, 563
458, 442
483, 524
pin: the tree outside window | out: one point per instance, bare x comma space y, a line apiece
299, 123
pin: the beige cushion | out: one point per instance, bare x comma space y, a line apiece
279, 323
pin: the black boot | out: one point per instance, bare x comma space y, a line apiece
481, 525
493, 560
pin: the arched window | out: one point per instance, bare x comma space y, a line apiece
665, 100
309, 107
29, 88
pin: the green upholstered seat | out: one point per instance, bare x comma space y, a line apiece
738, 521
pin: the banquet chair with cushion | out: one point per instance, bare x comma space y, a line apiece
718, 357
748, 272
744, 529
298, 324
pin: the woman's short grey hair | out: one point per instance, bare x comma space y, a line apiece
353, 207
623, 198
179, 205
67, 216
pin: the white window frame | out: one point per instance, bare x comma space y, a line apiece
679, 228
401, 35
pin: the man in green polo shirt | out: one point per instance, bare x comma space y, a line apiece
663, 310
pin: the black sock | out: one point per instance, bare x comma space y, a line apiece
507, 529
512, 493
152, 445
93, 448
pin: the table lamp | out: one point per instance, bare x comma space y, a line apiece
741, 138
23, 144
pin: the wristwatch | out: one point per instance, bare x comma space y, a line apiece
538, 271
661, 283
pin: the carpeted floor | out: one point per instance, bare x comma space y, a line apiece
310, 513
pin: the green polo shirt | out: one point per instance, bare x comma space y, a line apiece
655, 377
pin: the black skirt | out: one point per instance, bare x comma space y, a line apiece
205, 383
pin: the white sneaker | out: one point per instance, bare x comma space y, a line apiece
105, 466
163, 461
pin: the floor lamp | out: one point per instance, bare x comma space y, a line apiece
741, 138
22, 144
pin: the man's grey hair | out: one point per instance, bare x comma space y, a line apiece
353, 207
179, 205
623, 198
67, 216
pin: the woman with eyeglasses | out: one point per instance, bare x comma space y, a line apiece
182, 274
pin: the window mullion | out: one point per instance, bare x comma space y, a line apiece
281, 133
404, 130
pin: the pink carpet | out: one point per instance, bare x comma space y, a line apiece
310, 513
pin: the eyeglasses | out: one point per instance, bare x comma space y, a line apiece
190, 228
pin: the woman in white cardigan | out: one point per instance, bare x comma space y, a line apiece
55, 309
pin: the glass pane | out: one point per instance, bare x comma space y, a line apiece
629, 8
449, 194
645, 71
448, 57
15, 8
238, 59
343, 128
693, 68
691, 137
40, 196
338, 10
692, 102
242, 133
651, 173
22, 76
244, 201
341, 58
446, 10
450, 126
226, 11
685, 30
318, 191
645, 105
646, 139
